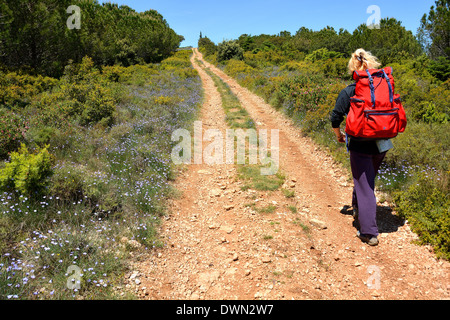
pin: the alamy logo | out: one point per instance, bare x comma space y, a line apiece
221, 150
74, 278
374, 280
373, 22
74, 21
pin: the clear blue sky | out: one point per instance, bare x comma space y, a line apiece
228, 19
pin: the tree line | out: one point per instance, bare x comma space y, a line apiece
37, 35
391, 42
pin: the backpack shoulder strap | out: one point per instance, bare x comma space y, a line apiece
372, 88
391, 91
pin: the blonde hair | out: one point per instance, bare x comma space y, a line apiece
362, 60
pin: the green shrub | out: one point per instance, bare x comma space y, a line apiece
426, 204
99, 106
303, 93
227, 50
428, 112
75, 182
424, 97
17, 90
135, 74
430, 105
440, 68
318, 119
186, 73
88, 93
175, 62
114, 73
235, 67
67, 182
323, 54
292, 66
261, 59
180, 65
101, 193
27, 172
335, 68
42, 135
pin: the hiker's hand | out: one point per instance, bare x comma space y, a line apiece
339, 136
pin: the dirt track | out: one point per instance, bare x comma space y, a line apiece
219, 248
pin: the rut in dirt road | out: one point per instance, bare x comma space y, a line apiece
228, 242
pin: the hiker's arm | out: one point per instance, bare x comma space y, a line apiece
341, 108
339, 135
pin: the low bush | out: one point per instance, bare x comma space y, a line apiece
99, 106
323, 54
67, 182
336, 68
18, 90
27, 172
135, 74
302, 93
262, 59
426, 204
235, 67
318, 119
300, 66
87, 94
175, 62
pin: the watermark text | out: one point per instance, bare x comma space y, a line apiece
221, 148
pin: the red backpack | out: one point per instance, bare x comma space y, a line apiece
376, 111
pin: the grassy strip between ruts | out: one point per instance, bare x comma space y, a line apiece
238, 118
251, 174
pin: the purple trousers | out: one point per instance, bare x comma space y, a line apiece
364, 169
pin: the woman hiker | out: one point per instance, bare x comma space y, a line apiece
365, 157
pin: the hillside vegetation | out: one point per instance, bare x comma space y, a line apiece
85, 144
303, 74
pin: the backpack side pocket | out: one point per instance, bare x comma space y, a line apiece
401, 113
355, 118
